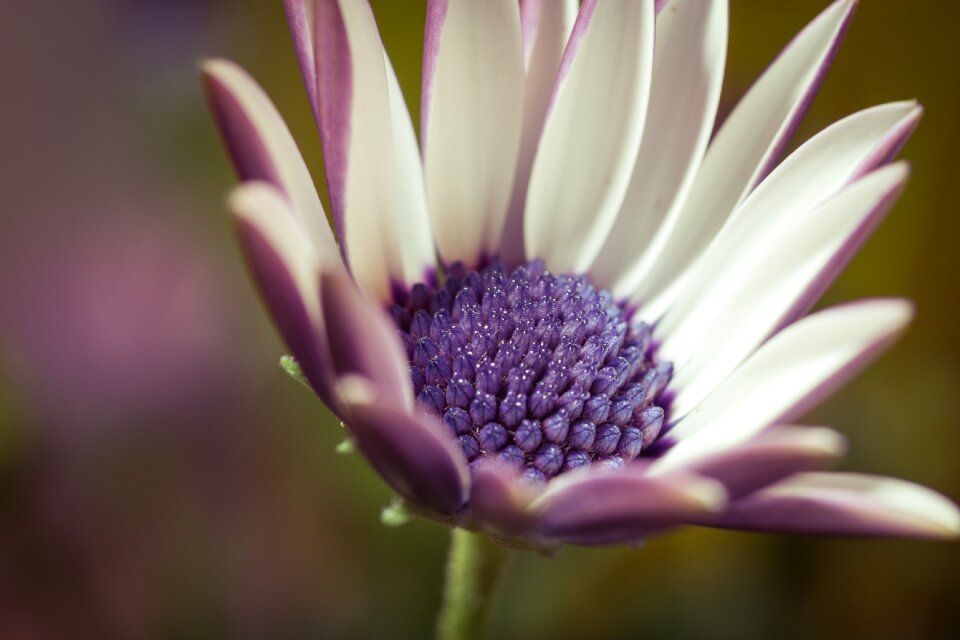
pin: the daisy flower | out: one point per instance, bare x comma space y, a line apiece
567, 311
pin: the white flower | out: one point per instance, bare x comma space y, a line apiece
578, 140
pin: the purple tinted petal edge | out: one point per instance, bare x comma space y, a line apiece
287, 309
770, 457
301, 31
363, 341
499, 500
334, 89
623, 506
794, 118
412, 453
436, 15
530, 12
819, 285
890, 145
843, 374
839, 514
580, 26
244, 141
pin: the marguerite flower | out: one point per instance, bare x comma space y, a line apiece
570, 314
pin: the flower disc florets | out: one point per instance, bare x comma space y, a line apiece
543, 371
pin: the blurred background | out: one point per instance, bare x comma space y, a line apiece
161, 478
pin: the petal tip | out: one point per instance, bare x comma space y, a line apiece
212, 66
952, 529
826, 442
356, 390
912, 111
248, 196
706, 493
843, 11
905, 311
943, 525
895, 313
217, 70
902, 170
941, 516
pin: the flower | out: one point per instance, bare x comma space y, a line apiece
580, 318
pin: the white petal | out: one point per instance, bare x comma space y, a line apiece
792, 261
812, 174
845, 504
688, 61
375, 189
263, 148
262, 206
471, 120
773, 455
417, 250
786, 376
743, 150
592, 132
546, 27
286, 269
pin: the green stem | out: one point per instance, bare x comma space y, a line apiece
474, 565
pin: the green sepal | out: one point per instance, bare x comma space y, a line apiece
292, 368
347, 447
395, 514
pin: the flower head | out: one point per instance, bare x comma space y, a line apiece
570, 313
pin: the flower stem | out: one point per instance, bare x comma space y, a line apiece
474, 566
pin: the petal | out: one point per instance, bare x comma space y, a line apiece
417, 249
300, 21
744, 149
500, 500
591, 135
363, 341
793, 261
470, 123
811, 175
546, 22
770, 457
411, 451
546, 27
285, 269
797, 368
263, 149
596, 507
844, 504
373, 166
688, 61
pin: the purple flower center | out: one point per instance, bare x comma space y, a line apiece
541, 370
